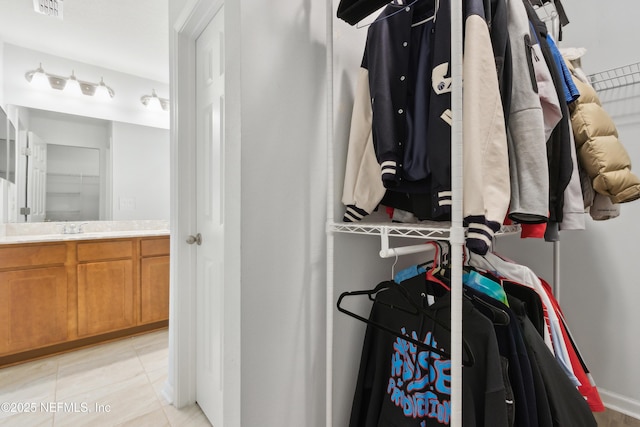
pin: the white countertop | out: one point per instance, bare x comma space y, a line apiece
51, 232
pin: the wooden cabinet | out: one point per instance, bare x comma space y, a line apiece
33, 308
105, 286
58, 296
154, 280
33, 297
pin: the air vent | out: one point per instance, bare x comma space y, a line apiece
49, 7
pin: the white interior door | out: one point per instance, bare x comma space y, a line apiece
36, 178
210, 256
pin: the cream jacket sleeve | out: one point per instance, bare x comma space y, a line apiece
363, 189
486, 161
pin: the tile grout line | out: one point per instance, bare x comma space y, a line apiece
146, 372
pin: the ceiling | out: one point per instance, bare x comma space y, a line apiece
130, 36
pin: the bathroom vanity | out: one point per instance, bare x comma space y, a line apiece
63, 291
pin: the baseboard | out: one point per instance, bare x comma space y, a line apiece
167, 392
620, 403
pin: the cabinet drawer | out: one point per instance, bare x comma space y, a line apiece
97, 251
30, 256
154, 247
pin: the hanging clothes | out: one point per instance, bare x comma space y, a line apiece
511, 347
402, 385
555, 332
558, 152
600, 152
527, 145
517, 378
398, 122
600, 206
568, 407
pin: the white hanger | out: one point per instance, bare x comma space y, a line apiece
431, 18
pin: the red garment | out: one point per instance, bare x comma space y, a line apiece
529, 230
587, 388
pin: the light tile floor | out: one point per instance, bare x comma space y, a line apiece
611, 418
116, 384
113, 384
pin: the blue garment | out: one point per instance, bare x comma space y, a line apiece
408, 273
571, 92
485, 285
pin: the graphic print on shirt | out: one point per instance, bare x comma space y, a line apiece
442, 84
420, 381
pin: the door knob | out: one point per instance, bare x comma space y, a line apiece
195, 239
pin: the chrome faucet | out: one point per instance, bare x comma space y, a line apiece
72, 228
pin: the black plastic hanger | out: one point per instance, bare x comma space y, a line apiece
411, 308
499, 316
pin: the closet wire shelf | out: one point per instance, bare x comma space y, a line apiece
616, 77
432, 230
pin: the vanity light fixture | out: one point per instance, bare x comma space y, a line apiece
154, 103
43, 80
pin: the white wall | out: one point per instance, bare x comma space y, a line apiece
599, 288
140, 177
283, 212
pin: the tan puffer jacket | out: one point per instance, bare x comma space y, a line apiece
600, 152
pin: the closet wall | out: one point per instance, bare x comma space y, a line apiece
283, 198
599, 290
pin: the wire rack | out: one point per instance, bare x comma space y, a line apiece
425, 230
616, 77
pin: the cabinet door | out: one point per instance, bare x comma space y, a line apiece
33, 308
154, 276
105, 296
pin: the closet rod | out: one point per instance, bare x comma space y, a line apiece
387, 252
404, 250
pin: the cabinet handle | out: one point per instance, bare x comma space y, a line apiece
194, 239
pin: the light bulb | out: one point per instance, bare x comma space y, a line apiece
72, 87
39, 79
102, 92
154, 104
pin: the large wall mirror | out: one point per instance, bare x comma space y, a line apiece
87, 169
